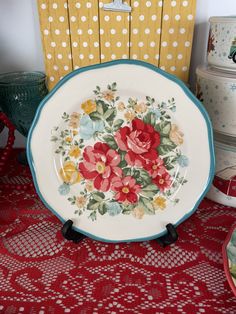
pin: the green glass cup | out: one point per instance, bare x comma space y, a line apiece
20, 95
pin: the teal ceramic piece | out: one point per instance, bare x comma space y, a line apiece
20, 94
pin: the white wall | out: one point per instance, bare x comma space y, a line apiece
20, 42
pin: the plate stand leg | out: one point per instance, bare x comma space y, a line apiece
169, 238
70, 234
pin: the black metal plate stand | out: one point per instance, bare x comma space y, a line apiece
72, 235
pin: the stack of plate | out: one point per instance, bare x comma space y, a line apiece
216, 88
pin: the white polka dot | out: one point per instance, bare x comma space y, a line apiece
135, 31
85, 44
96, 44
61, 77
169, 56
75, 67
124, 31
175, 44
43, 6
154, 17
79, 31
81, 56
52, 78
140, 44
182, 30
190, 17
46, 32
173, 3
187, 44
180, 56
152, 44
77, 5
163, 67
67, 31
166, 17
129, 44
171, 30
184, 69
102, 56
55, 67
157, 56
49, 56
101, 31
173, 68
83, 18
164, 44
50, 19
107, 44
66, 68
134, 56
88, 5
158, 30
107, 18
61, 19
95, 18
65, 5
91, 56
185, 3
75, 44
54, 5
57, 32
113, 31
141, 17
69, 56
90, 31
146, 56
73, 18
136, 4
20, 309
118, 18
59, 56
118, 44
147, 31
53, 44
177, 17
129, 18
124, 56
148, 4
160, 3
113, 56
100, 4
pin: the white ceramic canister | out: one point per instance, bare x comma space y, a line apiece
221, 50
223, 189
217, 91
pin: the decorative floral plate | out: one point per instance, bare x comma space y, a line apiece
122, 149
229, 258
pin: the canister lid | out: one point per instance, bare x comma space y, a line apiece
224, 141
223, 19
216, 74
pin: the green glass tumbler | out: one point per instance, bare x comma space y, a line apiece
20, 95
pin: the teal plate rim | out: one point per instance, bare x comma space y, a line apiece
166, 75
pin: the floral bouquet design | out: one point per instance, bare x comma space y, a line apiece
120, 157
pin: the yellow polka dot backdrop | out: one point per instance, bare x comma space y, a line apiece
55, 33
77, 33
84, 27
177, 34
145, 32
114, 33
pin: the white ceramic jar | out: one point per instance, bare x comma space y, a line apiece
221, 50
223, 189
217, 91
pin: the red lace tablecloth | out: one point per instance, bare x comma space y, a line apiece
40, 272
